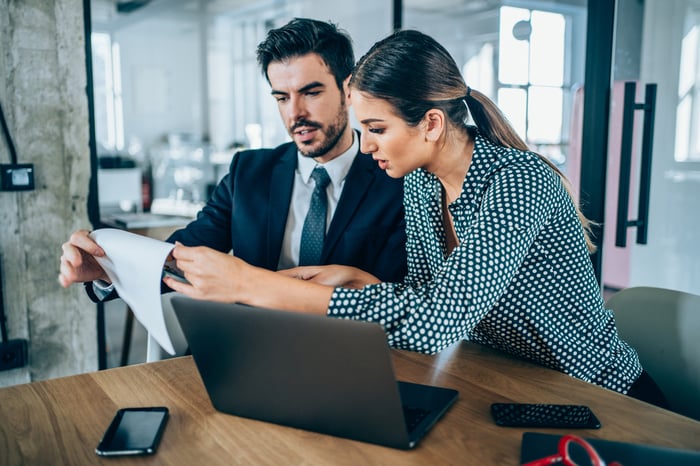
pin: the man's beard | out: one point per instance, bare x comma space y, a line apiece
332, 133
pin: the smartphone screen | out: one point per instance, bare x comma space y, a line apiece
133, 431
544, 415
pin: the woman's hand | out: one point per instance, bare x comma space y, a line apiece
212, 275
78, 263
333, 275
215, 276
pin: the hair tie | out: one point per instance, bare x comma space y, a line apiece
466, 97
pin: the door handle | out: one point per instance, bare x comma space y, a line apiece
649, 108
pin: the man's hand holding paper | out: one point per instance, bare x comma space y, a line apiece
134, 264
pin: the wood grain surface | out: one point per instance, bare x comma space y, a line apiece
60, 421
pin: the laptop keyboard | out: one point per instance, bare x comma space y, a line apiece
413, 416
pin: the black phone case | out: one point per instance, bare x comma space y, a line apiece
106, 447
544, 415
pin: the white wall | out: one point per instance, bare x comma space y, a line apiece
162, 84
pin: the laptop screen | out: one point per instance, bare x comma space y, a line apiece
317, 373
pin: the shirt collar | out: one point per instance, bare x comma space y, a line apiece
337, 168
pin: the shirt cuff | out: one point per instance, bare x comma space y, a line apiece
102, 289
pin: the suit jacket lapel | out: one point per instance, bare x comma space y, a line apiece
357, 183
281, 184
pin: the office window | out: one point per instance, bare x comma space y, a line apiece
107, 92
533, 77
478, 71
688, 109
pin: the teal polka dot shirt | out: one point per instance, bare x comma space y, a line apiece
520, 281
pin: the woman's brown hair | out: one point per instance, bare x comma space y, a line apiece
414, 73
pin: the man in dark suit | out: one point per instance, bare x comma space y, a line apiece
259, 209
248, 212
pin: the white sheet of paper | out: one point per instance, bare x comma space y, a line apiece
134, 263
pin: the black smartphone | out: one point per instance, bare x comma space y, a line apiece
544, 415
170, 270
133, 431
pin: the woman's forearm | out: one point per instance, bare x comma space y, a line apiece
264, 288
215, 276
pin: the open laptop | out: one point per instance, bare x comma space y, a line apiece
327, 375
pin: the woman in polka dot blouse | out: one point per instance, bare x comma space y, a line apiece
498, 252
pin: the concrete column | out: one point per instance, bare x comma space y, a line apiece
42, 89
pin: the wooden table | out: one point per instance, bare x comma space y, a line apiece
60, 421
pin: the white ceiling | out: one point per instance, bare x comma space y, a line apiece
104, 13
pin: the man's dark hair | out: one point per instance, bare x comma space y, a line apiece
302, 36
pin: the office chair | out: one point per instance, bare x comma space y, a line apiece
153, 350
664, 327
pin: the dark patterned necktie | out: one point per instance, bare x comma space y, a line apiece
314, 231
